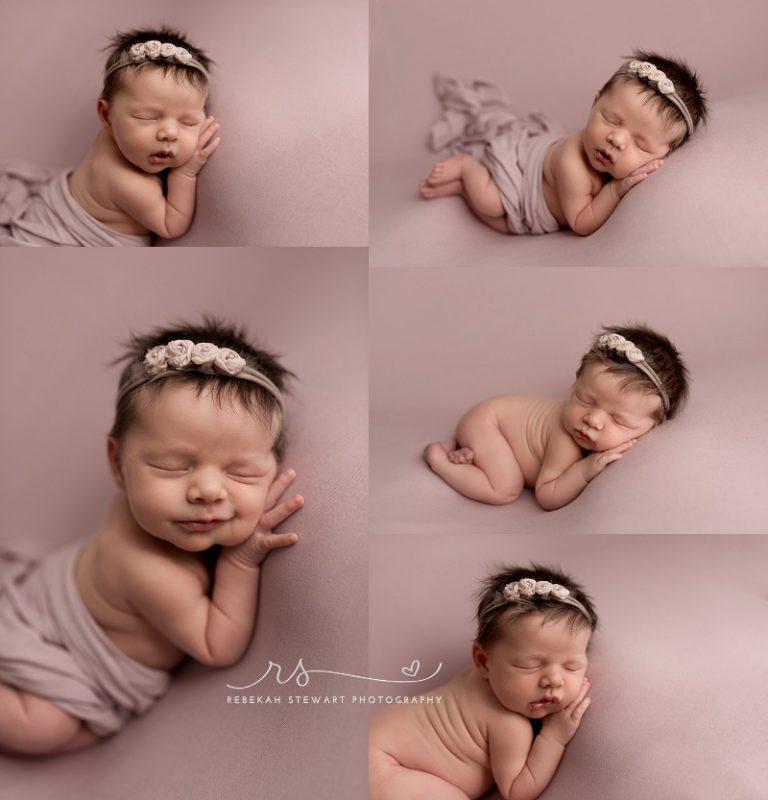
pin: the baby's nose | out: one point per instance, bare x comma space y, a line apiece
167, 132
594, 421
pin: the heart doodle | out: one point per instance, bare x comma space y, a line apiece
412, 669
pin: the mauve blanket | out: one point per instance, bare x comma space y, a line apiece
51, 646
477, 118
37, 210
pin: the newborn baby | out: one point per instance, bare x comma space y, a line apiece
629, 381
529, 664
530, 178
140, 175
88, 635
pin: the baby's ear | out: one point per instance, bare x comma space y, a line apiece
480, 659
102, 109
115, 462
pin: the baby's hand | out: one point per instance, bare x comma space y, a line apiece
255, 549
562, 726
595, 463
640, 174
206, 146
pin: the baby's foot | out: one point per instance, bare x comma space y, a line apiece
462, 455
446, 171
428, 191
437, 451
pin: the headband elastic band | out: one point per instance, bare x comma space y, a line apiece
529, 588
153, 50
648, 72
183, 355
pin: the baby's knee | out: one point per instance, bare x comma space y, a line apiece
503, 497
44, 733
435, 452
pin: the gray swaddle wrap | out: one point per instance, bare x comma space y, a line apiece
38, 210
51, 646
478, 119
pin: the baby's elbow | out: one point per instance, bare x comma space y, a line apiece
545, 500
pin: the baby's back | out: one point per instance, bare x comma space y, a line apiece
527, 422
446, 738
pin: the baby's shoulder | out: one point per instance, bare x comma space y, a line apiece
135, 560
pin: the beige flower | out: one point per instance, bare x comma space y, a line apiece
167, 49
136, 52
656, 75
229, 361
155, 359
182, 55
527, 587
179, 352
560, 592
511, 591
152, 48
645, 68
666, 86
634, 354
543, 588
204, 353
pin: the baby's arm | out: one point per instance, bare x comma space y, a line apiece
215, 631
583, 212
171, 216
564, 475
527, 780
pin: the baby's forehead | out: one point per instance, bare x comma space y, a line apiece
533, 632
151, 84
612, 387
175, 414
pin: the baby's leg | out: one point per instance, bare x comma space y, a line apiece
494, 476
389, 780
34, 726
473, 178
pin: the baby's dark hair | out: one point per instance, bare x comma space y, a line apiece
121, 41
494, 610
256, 399
688, 88
661, 355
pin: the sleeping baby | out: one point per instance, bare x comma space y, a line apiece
140, 175
629, 381
529, 668
522, 174
90, 634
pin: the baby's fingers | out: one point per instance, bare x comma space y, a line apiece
211, 148
206, 135
578, 712
278, 487
275, 541
280, 513
622, 448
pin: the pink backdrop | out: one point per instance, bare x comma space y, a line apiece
290, 92
678, 665
445, 339
64, 314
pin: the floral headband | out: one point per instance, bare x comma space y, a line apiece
183, 355
633, 354
153, 50
658, 79
529, 588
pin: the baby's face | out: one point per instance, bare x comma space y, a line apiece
195, 473
535, 669
154, 119
599, 414
625, 131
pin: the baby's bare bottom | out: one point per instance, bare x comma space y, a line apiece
479, 462
390, 780
31, 725
462, 174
